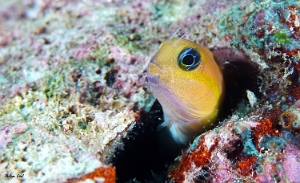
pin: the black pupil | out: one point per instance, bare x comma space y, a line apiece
188, 60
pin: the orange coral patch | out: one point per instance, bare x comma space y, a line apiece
200, 156
264, 127
108, 174
245, 165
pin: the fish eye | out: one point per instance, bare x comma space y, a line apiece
189, 59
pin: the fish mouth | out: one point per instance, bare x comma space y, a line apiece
154, 72
153, 79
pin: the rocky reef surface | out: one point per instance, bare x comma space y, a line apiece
75, 105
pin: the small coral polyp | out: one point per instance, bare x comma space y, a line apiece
269, 28
290, 119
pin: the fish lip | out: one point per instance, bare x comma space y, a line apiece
151, 62
154, 78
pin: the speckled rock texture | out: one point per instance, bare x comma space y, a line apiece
73, 85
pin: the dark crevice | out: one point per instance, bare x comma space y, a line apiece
147, 153
240, 74
110, 77
236, 151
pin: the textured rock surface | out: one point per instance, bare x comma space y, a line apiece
72, 78
70, 89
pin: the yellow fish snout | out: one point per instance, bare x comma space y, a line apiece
153, 73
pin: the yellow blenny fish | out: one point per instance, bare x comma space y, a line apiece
187, 81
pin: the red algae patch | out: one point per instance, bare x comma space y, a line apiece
246, 165
200, 156
102, 174
264, 127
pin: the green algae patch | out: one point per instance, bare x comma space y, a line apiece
52, 86
124, 41
100, 56
282, 38
83, 125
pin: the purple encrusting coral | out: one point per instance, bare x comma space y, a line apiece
72, 77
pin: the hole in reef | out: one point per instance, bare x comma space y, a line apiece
110, 77
240, 74
145, 156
